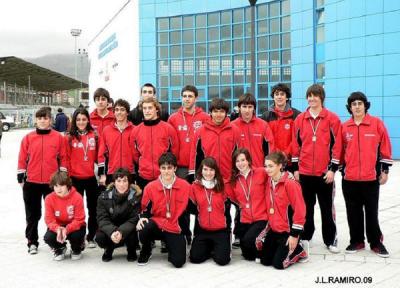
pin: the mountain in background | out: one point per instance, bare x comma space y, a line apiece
65, 64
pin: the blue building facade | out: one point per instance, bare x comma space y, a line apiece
345, 45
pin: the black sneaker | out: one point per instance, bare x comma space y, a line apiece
236, 243
131, 257
353, 248
107, 256
380, 250
143, 258
163, 248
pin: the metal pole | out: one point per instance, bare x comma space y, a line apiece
15, 93
253, 47
5, 92
29, 90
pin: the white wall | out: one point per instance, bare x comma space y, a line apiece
118, 70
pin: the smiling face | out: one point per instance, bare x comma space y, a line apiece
120, 113
188, 100
122, 185
280, 99
273, 169
314, 101
61, 190
43, 122
241, 163
81, 122
167, 172
218, 116
208, 173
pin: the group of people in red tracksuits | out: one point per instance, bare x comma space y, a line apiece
155, 170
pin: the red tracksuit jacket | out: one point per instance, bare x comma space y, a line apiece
315, 158
99, 123
154, 203
41, 155
82, 155
363, 146
257, 210
186, 125
257, 137
282, 124
209, 220
215, 141
115, 145
149, 141
287, 193
68, 211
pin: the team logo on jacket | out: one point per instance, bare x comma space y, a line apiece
349, 136
182, 127
197, 124
92, 142
70, 211
287, 126
57, 213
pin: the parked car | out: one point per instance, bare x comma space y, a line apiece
8, 122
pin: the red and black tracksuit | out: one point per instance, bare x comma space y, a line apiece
99, 123
367, 153
41, 154
286, 193
217, 141
256, 136
313, 155
282, 124
213, 236
149, 141
67, 212
82, 156
249, 194
186, 125
115, 147
163, 207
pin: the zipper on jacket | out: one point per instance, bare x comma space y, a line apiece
120, 154
359, 152
151, 141
41, 164
313, 153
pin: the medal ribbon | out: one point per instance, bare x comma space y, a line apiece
247, 192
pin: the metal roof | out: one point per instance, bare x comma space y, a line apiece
16, 70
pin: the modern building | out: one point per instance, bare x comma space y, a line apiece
346, 45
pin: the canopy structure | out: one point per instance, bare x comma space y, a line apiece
23, 73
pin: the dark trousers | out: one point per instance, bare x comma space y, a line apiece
215, 244
315, 187
362, 197
76, 240
105, 242
247, 234
91, 188
275, 252
33, 194
176, 243
141, 182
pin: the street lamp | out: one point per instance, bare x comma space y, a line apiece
75, 33
253, 47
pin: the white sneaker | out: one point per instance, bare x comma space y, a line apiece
33, 249
91, 244
333, 249
76, 256
306, 246
59, 254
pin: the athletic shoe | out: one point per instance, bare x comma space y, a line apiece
107, 256
143, 258
91, 244
303, 257
76, 256
333, 249
131, 257
380, 250
59, 254
236, 243
353, 248
164, 248
306, 246
33, 249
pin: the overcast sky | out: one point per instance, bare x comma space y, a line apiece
33, 28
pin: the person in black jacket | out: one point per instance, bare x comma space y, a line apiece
117, 216
61, 124
136, 115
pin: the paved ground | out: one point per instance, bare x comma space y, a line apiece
18, 269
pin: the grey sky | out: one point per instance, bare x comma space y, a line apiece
30, 29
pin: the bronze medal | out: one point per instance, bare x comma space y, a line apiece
209, 209
247, 205
168, 214
271, 210
314, 138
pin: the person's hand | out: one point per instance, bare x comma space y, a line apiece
102, 180
116, 237
296, 175
61, 234
141, 223
292, 243
383, 178
329, 177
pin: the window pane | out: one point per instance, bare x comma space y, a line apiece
262, 105
163, 24
286, 23
262, 43
201, 35
320, 34
163, 94
275, 74
176, 80
320, 17
188, 51
213, 64
163, 80
163, 52
163, 38
262, 75
175, 51
213, 92
213, 19
226, 17
226, 77
226, 47
213, 48
238, 62
226, 92
213, 34
247, 29
175, 95
238, 76
262, 59
248, 45
248, 61
163, 66
262, 11
176, 23
286, 57
238, 30
286, 40
201, 78
201, 50
237, 92
285, 7
286, 74
226, 63
237, 15
274, 41
201, 20
274, 25
262, 27
176, 66
237, 46
274, 58
201, 64
321, 71
188, 36
247, 13
320, 3
188, 65
175, 37
274, 9
188, 79
225, 32
188, 22
248, 78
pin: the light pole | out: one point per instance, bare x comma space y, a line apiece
253, 47
75, 33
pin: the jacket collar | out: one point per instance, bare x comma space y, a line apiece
365, 121
322, 114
